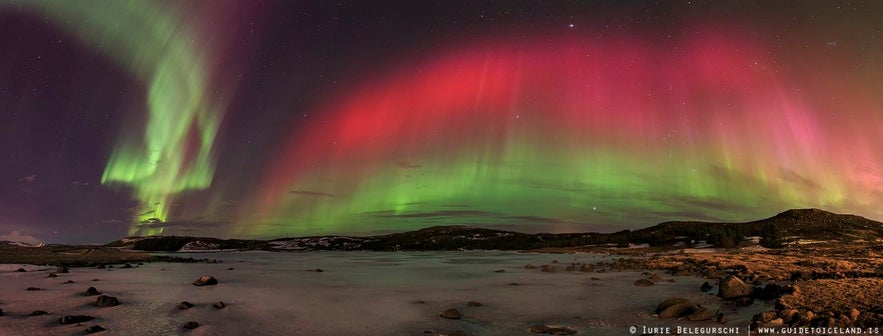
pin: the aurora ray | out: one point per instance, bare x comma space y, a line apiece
173, 151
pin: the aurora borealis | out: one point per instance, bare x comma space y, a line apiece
269, 119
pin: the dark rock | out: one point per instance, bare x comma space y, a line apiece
101, 266
206, 280
52, 275
191, 325
744, 301
500, 271
318, 270
1, 312
474, 304
230, 269
96, 279
513, 284
219, 305
185, 305
552, 330
700, 314
594, 278
39, 312
20, 270
91, 291
643, 283
94, 329
73, 319
732, 287
68, 282
31, 289
451, 313
528, 266
674, 307
569, 268
127, 265
106, 301
705, 287
63, 269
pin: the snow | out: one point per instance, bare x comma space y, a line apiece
358, 293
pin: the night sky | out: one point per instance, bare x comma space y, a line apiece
263, 119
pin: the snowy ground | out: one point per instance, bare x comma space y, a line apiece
358, 293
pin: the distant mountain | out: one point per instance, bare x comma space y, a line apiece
776, 231
15, 243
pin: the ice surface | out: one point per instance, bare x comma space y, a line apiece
358, 293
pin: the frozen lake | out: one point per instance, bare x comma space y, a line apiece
358, 293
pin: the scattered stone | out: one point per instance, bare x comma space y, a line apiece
68, 282
674, 307
552, 330
31, 289
474, 304
63, 269
191, 325
700, 314
513, 284
528, 266
91, 291
52, 275
230, 269
94, 329
185, 305
318, 270
73, 319
206, 280
21, 270
643, 283
732, 287
654, 277
106, 301
705, 287
39, 312
451, 313
96, 279
500, 271
219, 305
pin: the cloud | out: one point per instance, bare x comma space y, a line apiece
311, 193
17, 236
29, 179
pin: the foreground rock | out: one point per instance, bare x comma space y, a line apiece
732, 287
552, 330
91, 291
73, 319
451, 313
191, 325
219, 305
185, 305
106, 301
94, 329
206, 280
674, 307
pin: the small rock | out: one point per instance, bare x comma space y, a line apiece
230, 269
528, 266
31, 289
705, 287
219, 305
206, 280
63, 269
594, 278
39, 312
191, 325
94, 329
654, 277
20, 270
513, 284
853, 314
500, 271
52, 275
674, 307
106, 301
318, 270
127, 265
73, 319
474, 304
732, 287
552, 330
451, 313
700, 314
68, 282
547, 268
643, 283
185, 305
91, 291
96, 279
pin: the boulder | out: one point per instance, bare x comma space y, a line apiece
106, 301
643, 283
451, 313
94, 329
191, 325
674, 307
219, 305
185, 305
39, 312
705, 287
91, 291
206, 280
700, 314
732, 287
74, 319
